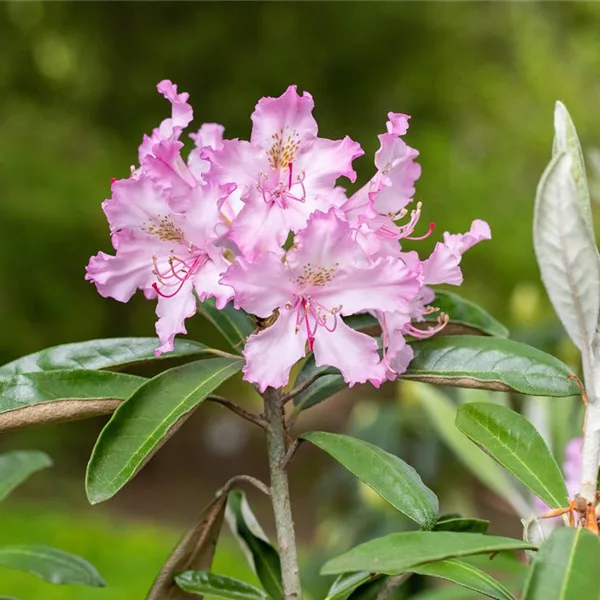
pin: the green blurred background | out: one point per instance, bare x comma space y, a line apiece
77, 91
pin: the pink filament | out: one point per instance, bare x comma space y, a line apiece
187, 270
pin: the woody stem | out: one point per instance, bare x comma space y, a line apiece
280, 494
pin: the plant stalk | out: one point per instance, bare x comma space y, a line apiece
280, 494
590, 452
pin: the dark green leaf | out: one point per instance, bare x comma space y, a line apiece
234, 325
386, 474
218, 586
346, 583
466, 575
514, 442
465, 316
491, 363
114, 354
50, 564
16, 467
463, 524
57, 396
399, 552
566, 567
263, 558
140, 426
442, 414
325, 386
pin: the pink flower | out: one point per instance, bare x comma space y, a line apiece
374, 209
324, 277
163, 253
171, 128
283, 174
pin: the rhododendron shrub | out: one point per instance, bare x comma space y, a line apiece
318, 283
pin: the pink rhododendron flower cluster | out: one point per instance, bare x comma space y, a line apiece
265, 224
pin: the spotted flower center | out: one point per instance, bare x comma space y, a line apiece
165, 229
310, 313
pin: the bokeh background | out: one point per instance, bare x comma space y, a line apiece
77, 92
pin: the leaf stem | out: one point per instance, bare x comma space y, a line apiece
280, 494
238, 410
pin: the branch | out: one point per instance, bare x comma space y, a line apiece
259, 485
300, 388
290, 453
238, 410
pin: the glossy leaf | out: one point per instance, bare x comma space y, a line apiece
113, 353
140, 426
462, 524
346, 583
261, 556
218, 586
399, 552
57, 396
234, 325
394, 480
195, 550
50, 564
566, 252
16, 467
566, 567
466, 575
514, 442
491, 363
465, 316
442, 415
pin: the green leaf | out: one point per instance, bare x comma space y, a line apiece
465, 316
261, 556
514, 442
50, 564
463, 524
442, 415
218, 586
467, 576
491, 363
234, 325
140, 426
566, 252
57, 396
325, 386
389, 476
566, 567
346, 583
113, 353
16, 467
399, 552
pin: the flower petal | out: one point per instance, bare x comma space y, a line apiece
387, 284
260, 227
207, 282
260, 286
172, 313
324, 161
271, 353
289, 116
459, 243
353, 353
120, 276
442, 267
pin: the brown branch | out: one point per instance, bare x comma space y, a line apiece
238, 410
290, 453
300, 388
